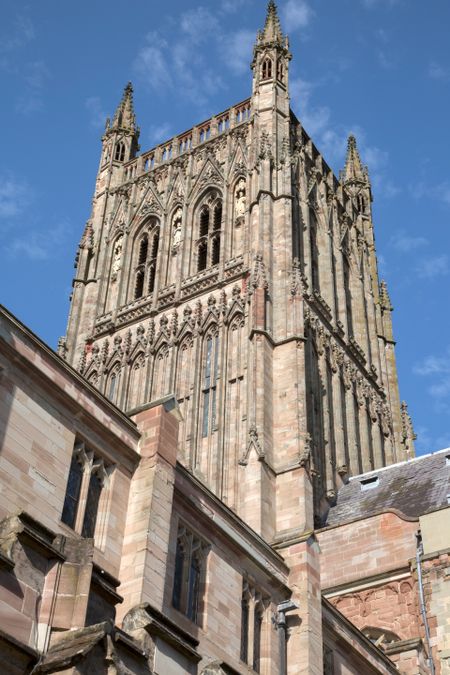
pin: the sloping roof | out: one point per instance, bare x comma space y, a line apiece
415, 487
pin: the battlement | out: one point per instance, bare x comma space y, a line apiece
183, 143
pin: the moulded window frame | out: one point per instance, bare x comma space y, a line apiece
92, 463
195, 547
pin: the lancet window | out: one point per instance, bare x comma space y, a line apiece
88, 478
145, 261
252, 621
266, 70
209, 231
189, 575
120, 152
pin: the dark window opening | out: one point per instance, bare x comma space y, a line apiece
280, 71
155, 245
151, 279
218, 216
92, 502
143, 250
244, 629
202, 256
215, 257
120, 152
204, 222
267, 69
178, 577
189, 568
139, 285
72, 497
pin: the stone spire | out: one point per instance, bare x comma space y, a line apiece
124, 117
272, 32
354, 171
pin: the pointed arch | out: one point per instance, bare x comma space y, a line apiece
144, 259
92, 377
112, 382
266, 68
136, 381
208, 216
160, 376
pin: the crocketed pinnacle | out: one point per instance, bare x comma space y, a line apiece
124, 117
272, 30
354, 169
385, 300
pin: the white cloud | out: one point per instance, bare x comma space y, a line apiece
371, 4
38, 246
13, 197
314, 118
97, 115
199, 24
159, 132
297, 14
437, 72
152, 62
236, 50
20, 34
433, 267
405, 243
230, 6
440, 192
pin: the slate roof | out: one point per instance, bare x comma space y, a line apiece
415, 487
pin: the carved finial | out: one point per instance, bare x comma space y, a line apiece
62, 347
408, 434
87, 240
385, 300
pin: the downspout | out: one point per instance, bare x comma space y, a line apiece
282, 609
419, 553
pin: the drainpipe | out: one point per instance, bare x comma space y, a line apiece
282, 609
419, 553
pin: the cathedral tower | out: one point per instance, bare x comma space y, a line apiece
231, 266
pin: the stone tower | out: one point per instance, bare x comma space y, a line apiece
231, 266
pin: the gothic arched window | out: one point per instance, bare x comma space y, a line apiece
145, 257
280, 71
209, 233
120, 152
266, 68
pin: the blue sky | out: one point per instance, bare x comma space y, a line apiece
377, 68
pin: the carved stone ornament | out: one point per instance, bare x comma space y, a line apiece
117, 258
299, 284
177, 230
240, 200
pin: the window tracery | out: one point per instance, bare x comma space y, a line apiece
87, 480
209, 231
266, 70
190, 568
146, 255
120, 152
